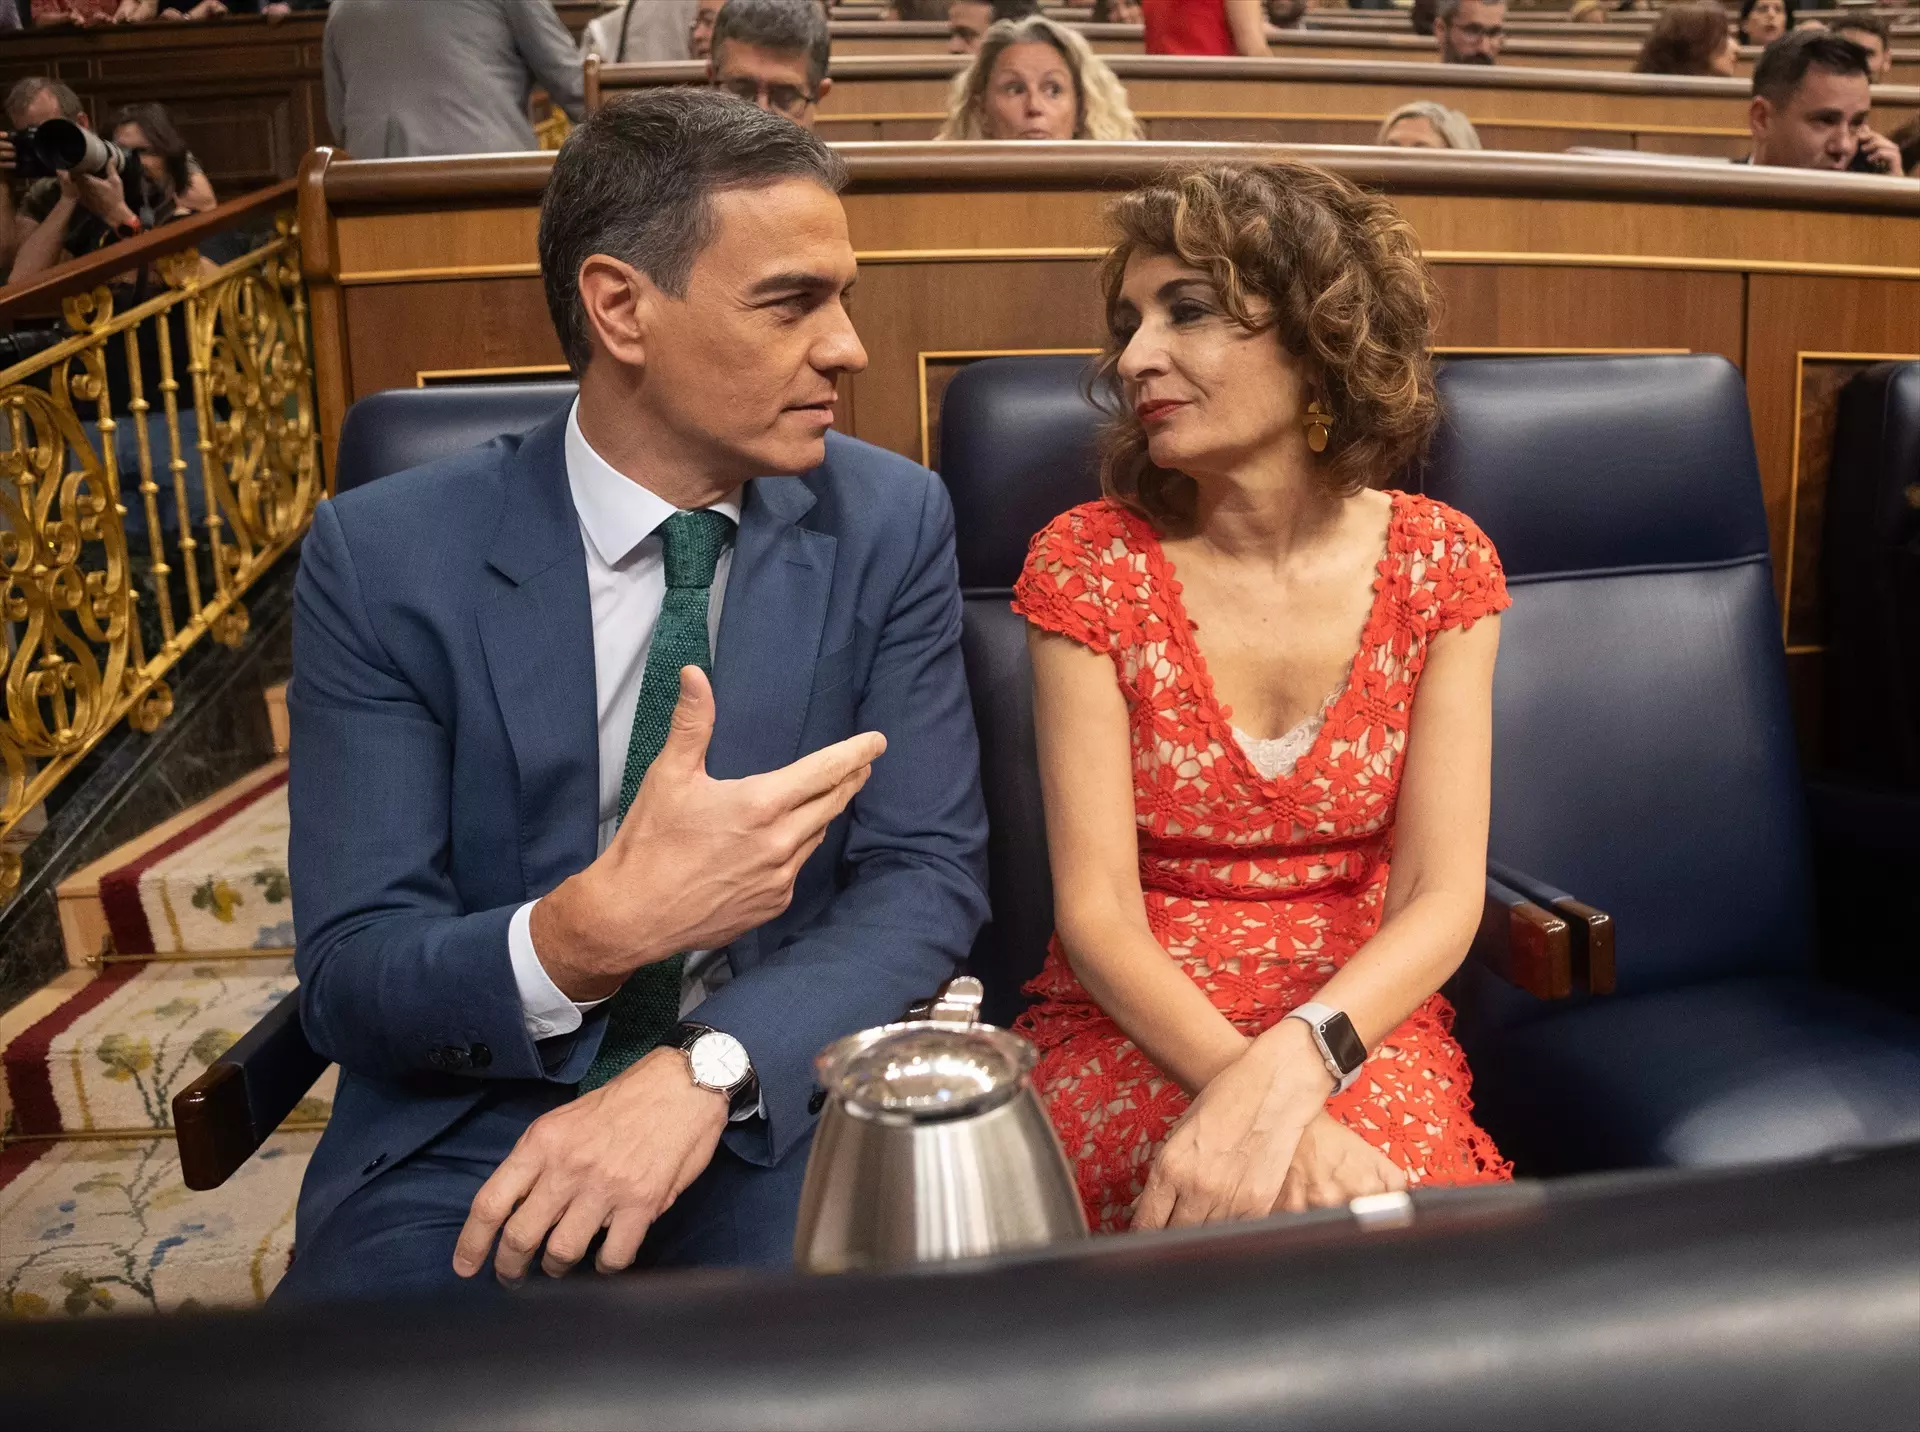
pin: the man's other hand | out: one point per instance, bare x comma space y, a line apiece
697, 862
1879, 151
615, 1158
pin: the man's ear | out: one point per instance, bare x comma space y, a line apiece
826, 86
1759, 117
621, 306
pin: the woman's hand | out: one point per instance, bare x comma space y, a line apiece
1332, 1164
1228, 1156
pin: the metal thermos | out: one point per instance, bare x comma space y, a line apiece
932, 1145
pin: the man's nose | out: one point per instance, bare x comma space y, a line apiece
841, 350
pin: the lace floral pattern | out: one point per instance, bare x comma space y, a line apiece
1259, 888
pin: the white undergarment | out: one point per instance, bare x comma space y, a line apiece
1277, 756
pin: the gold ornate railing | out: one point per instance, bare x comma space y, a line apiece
154, 461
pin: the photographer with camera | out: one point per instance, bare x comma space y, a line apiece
83, 192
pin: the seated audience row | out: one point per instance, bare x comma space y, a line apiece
47, 13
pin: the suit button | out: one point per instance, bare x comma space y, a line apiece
449, 1056
479, 1056
817, 1102
374, 1163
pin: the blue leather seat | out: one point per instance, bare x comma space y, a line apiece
1644, 760
391, 431
1643, 754
1017, 448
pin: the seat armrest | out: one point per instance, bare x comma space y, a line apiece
224, 1115
1590, 931
1524, 943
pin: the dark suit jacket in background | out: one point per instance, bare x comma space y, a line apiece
446, 770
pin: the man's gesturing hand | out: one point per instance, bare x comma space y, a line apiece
615, 1158
697, 861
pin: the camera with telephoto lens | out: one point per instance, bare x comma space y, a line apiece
59, 144
56, 144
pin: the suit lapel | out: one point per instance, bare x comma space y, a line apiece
537, 633
770, 630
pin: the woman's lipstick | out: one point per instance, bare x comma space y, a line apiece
1158, 411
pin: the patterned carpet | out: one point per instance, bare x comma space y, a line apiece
94, 1217
105, 1226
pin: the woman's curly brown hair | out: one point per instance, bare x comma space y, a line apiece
1345, 291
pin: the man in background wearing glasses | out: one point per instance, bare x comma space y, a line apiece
772, 53
1470, 31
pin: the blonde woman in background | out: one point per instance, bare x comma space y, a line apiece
1426, 125
1034, 79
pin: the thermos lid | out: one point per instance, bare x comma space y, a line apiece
925, 1071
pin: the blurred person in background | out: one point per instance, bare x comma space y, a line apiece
1205, 27
148, 130
1589, 12
773, 54
1810, 107
1117, 12
1470, 32
918, 12
969, 20
1286, 14
1034, 79
47, 13
1764, 21
700, 28
450, 77
641, 32
1871, 33
1907, 140
1423, 124
1689, 40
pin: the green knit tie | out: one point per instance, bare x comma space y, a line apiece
647, 1006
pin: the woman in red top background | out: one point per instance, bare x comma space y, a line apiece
1205, 27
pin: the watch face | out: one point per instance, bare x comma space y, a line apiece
718, 1060
1344, 1043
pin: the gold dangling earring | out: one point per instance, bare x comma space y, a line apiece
1319, 426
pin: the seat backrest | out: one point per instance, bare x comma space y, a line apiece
1643, 746
1870, 579
1017, 448
391, 431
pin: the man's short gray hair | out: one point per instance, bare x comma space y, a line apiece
787, 26
1445, 10
26, 91
636, 180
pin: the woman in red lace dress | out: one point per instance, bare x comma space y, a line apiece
1264, 705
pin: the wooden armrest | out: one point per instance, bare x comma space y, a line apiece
224, 1115
1524, 943
1590, 930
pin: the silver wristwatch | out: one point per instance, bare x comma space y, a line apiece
718, 1061
1341, 1048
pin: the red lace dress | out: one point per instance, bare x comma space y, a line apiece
1260, 889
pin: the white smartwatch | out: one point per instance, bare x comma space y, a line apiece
719, 1062
1341, 1048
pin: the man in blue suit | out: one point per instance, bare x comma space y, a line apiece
574, 915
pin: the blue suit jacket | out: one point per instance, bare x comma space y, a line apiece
446, 770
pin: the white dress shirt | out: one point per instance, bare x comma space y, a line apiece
626, 587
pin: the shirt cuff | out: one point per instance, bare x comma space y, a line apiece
547, 1011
